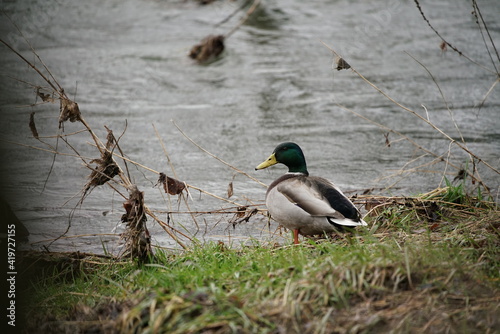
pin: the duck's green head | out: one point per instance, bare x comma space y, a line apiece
289, 154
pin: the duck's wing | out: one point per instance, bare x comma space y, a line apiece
337, 199
319, 197
306, 195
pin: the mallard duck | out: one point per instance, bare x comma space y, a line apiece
308, 205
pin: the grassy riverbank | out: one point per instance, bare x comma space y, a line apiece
426, 264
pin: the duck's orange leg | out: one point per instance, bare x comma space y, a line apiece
296, 237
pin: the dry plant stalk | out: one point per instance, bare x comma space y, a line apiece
137, 237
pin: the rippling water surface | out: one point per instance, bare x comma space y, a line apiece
125, 63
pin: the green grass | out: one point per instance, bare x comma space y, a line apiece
407, 275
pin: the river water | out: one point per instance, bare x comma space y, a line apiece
125, 62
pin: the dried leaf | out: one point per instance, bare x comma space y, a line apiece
443, 46
105, 170
341, 64
44, 97
171, 185
110, 139
34, 132
137, 237
69, 110
230, 189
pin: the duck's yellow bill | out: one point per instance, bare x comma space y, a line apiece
269, 162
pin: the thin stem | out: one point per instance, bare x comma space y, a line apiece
243, 20
216, 157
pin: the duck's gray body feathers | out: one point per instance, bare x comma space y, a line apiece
312, 205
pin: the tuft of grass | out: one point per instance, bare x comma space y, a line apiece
454, 194
411, 274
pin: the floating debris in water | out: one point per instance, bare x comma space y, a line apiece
209, 48
213, 45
